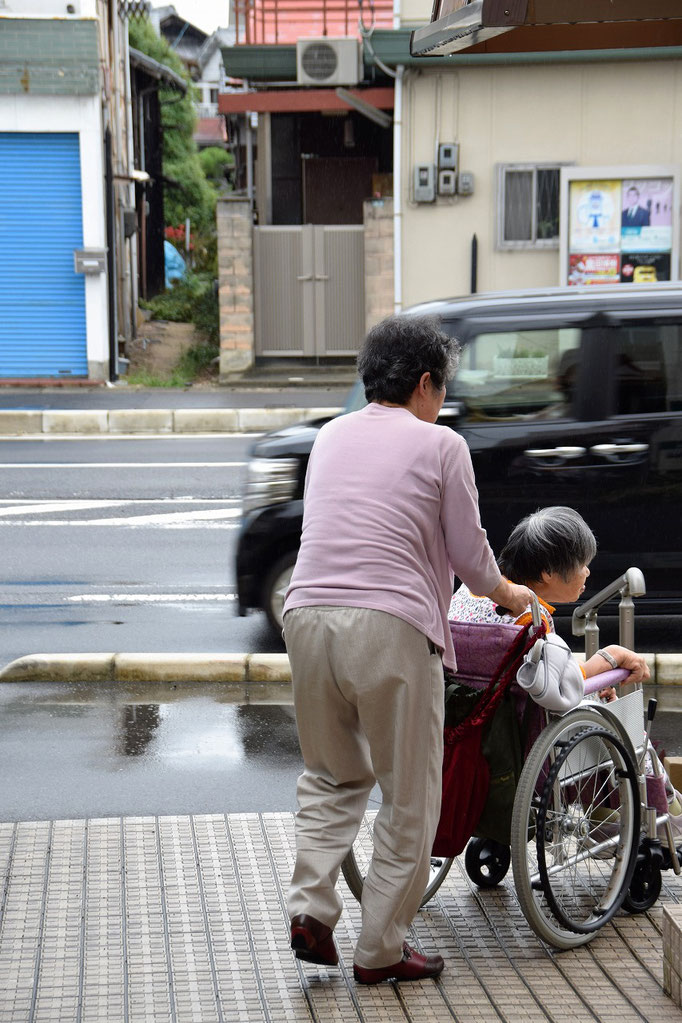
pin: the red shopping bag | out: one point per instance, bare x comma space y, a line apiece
466, 780
466, 774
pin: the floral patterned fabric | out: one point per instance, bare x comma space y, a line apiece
465, 606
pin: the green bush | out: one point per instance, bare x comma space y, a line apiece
213, 162
191, 300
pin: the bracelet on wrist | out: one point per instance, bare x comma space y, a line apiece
608, 657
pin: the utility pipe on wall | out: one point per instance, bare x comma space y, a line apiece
398, 175
397, 191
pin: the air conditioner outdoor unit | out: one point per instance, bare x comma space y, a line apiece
327, 61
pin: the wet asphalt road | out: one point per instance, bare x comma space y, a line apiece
77, 751
114, 545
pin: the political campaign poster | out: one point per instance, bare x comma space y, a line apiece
595, 215
619, 225
647, 214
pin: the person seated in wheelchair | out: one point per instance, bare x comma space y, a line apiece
550, 552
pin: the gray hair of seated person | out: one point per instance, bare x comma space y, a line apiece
555, 539
399, 350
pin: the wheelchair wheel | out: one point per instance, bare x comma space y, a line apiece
644, 889
575, 827
486, 861
356, 863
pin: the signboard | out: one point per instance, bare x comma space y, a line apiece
618, 225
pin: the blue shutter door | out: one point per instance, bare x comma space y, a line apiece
42, 299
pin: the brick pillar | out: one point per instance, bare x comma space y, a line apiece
235, 285
378, 220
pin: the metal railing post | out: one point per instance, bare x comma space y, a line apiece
584, 623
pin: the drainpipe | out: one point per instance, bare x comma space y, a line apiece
398, 190
398, 174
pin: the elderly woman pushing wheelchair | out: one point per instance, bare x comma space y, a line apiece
390, 510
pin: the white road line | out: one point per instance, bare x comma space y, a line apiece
121, 465
148, 598
186, 499
33, 438
40, 508
167, 518
186, 523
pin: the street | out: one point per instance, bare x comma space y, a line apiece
114, 544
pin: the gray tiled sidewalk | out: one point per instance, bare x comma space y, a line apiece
183, 919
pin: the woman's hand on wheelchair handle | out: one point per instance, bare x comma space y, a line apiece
510, 595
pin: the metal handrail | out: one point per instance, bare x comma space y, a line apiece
584, 622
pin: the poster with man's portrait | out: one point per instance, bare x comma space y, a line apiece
647, 214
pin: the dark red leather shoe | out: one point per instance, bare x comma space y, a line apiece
412, 966
312, 941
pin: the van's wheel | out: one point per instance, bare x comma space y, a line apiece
275, 589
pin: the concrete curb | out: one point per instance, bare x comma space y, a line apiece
256, 677
91, 422
238, 669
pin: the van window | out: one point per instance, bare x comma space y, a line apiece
648, 369
527, 374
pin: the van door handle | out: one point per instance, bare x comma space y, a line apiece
563, 452
305, 277
605, 450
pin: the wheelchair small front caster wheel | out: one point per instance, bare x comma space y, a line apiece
486, 861
644, 889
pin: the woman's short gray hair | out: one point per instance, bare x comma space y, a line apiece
554, 539
399, 350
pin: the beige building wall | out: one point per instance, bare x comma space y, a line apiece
414, 12
583, 114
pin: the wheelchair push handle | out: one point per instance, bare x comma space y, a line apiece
534, 608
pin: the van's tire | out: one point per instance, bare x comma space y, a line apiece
275, 588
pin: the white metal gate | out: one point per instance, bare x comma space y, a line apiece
309, 286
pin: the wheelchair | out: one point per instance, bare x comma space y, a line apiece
588, 830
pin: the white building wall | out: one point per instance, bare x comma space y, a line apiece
79, 114
586, 114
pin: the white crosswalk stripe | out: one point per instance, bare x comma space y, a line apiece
192, 513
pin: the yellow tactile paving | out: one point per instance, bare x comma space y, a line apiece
183, 919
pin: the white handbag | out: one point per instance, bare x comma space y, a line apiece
551, 675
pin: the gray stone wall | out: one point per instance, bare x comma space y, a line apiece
235, 283
378, 220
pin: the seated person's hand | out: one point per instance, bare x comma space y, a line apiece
635, 663
632, 662
607, 695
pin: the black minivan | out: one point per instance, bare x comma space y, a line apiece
565, 396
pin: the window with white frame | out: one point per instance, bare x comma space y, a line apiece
528, 206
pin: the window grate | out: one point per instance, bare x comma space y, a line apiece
528, 206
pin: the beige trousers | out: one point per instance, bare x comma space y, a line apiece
368, 691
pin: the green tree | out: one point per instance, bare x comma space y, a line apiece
187, 192
214, 161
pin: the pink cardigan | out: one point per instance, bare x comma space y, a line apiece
390, 510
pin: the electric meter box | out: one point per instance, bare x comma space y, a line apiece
465, 185
425, 183
447, 182
448, 156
